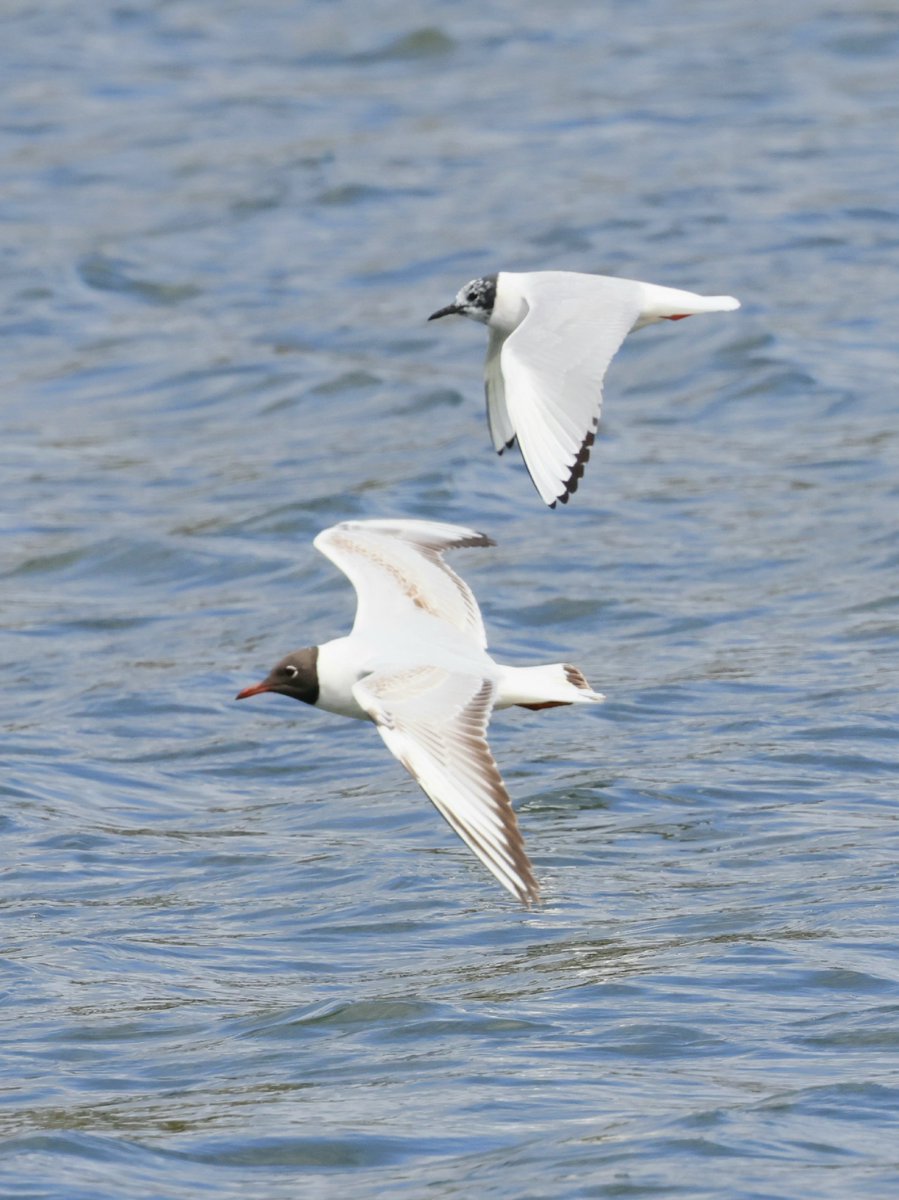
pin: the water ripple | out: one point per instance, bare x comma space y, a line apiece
242, 954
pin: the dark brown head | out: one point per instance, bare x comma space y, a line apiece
295, 676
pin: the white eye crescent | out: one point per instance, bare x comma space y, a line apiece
291, 671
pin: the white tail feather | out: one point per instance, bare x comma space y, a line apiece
661, 303
555, 683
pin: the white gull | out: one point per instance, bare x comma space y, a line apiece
552, 335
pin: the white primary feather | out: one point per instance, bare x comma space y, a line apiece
435, 722
398, 572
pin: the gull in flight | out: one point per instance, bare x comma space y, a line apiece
416, 664
551, 337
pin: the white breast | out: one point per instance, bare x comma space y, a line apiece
339, 668
509, 306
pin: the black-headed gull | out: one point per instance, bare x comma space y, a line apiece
552, 335
416, 664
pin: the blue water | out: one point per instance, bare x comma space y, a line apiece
243, 957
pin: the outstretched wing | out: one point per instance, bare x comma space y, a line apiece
397, 569
553, 365
501, 432
435, 722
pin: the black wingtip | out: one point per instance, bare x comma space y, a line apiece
577, 471
478, 539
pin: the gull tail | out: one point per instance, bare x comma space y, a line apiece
671, 304
545, 687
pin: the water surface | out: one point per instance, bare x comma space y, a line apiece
243, 956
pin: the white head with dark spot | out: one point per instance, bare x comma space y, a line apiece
475, 300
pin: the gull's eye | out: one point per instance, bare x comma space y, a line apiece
471, 297
290, 671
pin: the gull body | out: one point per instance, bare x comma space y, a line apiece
551, 337
416, 664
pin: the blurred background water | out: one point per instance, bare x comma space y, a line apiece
242, 955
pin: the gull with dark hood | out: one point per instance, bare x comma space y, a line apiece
416, 665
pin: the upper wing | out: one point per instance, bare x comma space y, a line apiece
501, 432
435, 722
397, 569
553, 366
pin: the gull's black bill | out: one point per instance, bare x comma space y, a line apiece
445, 312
